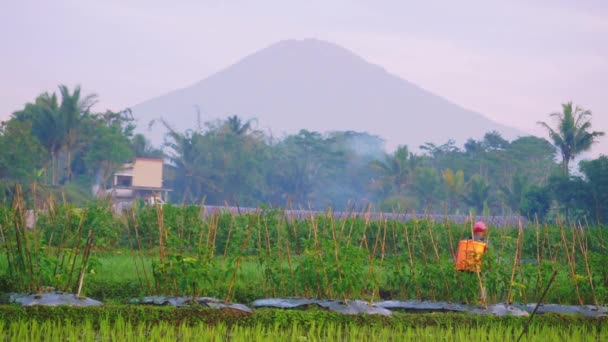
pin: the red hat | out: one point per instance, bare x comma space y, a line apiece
479, 227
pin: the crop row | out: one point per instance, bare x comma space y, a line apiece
176, 251
155, 324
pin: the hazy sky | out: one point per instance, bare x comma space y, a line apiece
514, 61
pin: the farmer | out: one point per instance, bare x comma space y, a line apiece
470, 253
479, 234
479, 231
468, 256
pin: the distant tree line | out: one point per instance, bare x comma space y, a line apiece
59, 145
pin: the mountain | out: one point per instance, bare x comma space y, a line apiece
320, 86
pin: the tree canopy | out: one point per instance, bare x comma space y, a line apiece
59, 142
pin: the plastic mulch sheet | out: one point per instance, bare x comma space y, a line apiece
386, 307
186, 301
585, 310
422, 306
50, 299
352, 307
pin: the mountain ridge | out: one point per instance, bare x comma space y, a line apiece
318, 85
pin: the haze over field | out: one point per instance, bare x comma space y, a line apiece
513, 62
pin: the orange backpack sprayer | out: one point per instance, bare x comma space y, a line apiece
468, 256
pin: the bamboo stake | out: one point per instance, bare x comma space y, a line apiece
206, 222
84, 262
515, 260
6, 246
412, 268
238, 260
584, 250
396, 254
364, 236
160, 223
525, 331
319, 255
371, 257
337, 258
279, 252
571, 265
141, 253
77, 249
35, 233
23, 249
376, 277
539, 260
132, 250
293, 277
227, 244
424, 255
436, 249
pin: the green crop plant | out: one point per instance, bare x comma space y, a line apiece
179, 250
119, 329
33, 262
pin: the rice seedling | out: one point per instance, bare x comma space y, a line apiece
121, 330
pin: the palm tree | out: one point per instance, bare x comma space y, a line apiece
71, 111
514, 194
183, 155
192, 153
455, 186
46, 126
396, 170
479, 192
571, 136
235, 125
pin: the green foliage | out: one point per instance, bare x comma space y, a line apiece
60, 144
427, 186
22, 155
514, 195
455, 187
396, 204
396, 171
67, 141
33, 264
573, 195
170, 250
596, 174
195, 324
572, 135
536, 202
479, 191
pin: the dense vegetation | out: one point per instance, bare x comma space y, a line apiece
54, 150
167, 324
169, 250
57, 144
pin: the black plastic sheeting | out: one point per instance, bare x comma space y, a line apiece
500, 309
387, 307
49, 299
352, 307
422, 306
187, 301
585, 310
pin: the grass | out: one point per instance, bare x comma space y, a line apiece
121, 330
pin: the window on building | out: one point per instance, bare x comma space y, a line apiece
124, 181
